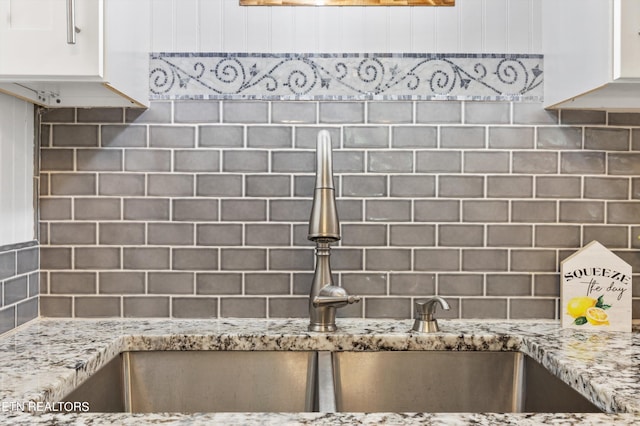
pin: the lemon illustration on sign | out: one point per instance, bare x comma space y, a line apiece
597, 316
577, 307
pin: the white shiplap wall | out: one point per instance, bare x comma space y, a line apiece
16, 171
472, 26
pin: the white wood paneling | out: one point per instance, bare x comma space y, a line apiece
186, 24
495, 22
305, 24
353, 29
471, 20
210, 26
162, 26
378, 29
399, 34
282, 29
536, 26
423, 29
234, 28
519, 26
258, 19
330, 34
472, 26
448, 30
16, 171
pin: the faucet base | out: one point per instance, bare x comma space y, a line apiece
323, 328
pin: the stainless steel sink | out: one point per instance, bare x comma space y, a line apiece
281, 381
201, 381
445, 381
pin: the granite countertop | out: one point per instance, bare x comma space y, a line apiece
46, 359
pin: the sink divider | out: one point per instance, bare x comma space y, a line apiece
326, 384
126, 382
519, 384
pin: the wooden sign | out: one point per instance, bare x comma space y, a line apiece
595, 290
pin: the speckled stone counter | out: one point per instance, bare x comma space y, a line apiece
45, 360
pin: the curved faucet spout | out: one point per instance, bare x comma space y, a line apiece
324, 228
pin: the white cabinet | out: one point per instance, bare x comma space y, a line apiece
591, 54
108, 65
17, 212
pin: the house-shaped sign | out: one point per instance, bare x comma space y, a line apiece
595, 290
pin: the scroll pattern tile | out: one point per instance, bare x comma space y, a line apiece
346, 76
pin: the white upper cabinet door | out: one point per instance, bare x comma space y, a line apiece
34, 39
626, 39
592, 54
84, 53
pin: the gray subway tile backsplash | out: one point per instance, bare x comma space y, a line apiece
171, 282
414, 137
95, 307
462, 137
219, 234
559, 138
19, 284
199, 209
606, 188
148, 160
196, 161
97, 209
99, 160
158, 112
366, 137
200, 111
511, 138
390, 162
460, 285
269, 137
61, 233
607, 139
439, 112
558, 187
73, 184
121, 184
145, 209
145, 307
390, 112
487, 113
288, 307
75, 136
122, 136
583, 117
220, 136
172, 136
121, 282
245, 112
57, 160
294, 112
194, 307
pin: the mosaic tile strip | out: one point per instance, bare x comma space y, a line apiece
346, 76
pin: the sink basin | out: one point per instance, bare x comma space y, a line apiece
282, 381
445, 381
200, 381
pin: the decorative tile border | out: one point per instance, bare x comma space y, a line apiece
346, 76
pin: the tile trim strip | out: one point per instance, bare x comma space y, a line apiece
17, 246
354, 76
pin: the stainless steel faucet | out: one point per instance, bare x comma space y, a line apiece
324, 229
